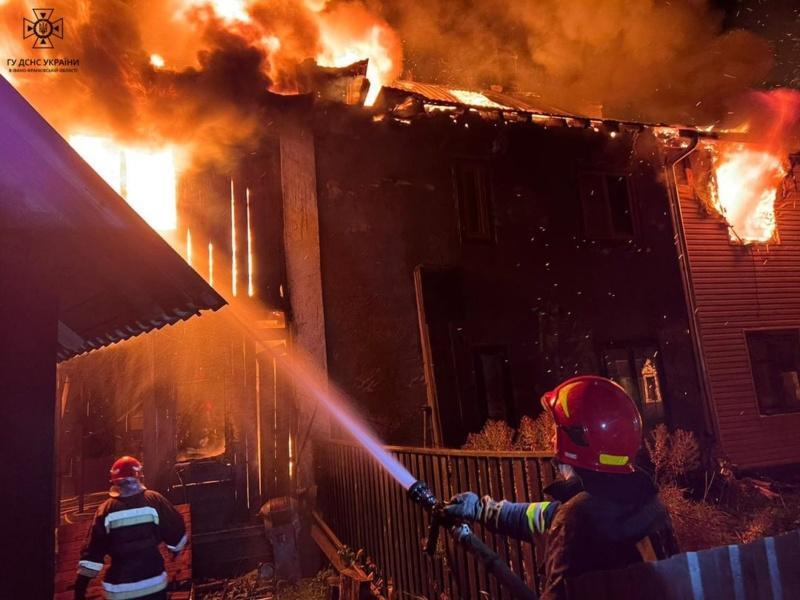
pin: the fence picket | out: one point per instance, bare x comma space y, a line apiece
367, 509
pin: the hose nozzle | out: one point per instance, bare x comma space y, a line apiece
420, 493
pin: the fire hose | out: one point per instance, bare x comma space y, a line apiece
462, 534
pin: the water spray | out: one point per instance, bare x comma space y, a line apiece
307, 376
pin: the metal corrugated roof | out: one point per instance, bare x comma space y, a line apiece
487, 99
114, 276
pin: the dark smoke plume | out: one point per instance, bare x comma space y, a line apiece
649, 60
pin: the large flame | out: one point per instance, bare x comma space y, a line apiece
346, 34
145, 178
374, 41
747, 182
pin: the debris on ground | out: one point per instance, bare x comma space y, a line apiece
250, 587
314, 588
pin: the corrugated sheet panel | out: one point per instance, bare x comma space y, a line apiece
738, 288
440, 94
765, 569
114, 276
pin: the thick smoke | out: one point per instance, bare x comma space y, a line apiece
770, 118
117, 92
650, 60
220, 59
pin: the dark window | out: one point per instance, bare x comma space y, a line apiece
606, 205
638, 370
775, 361
494, 383
473, 193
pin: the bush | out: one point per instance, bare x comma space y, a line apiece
495, 436
536, 435
675, 455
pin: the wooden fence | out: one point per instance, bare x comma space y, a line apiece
368, 509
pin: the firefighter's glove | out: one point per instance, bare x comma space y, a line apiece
81, 584
468, 507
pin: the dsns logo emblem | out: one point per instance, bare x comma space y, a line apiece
43, 28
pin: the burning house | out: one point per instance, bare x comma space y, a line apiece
445, 256
79, 271
443, 253
474, 249
203, 404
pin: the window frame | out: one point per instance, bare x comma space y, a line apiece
636, 350
487, 208
583, 193
758, 405
481, 395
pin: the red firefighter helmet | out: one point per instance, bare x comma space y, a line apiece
124, 467
598, 426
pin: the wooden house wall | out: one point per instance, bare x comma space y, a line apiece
738, 288
544, 291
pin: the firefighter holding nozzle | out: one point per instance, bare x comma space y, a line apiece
605, 513
129, 527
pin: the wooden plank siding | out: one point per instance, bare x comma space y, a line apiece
739, 288
71, 539
368, 509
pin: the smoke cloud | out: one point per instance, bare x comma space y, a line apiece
219, 60
648, 60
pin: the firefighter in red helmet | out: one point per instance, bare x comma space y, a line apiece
129, 527
605, 513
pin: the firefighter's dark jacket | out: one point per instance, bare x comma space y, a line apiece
599, 526
130, 531
595, 522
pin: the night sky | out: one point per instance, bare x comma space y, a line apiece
779, 22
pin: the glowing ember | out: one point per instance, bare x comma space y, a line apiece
250, 288
747, 182
476, 99
210, 263
145, 178
157, 61
234, 270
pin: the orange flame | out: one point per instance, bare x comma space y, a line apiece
250, 288
234, 270
348, 38
145, 178
747, 182
210, 264
345, 34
